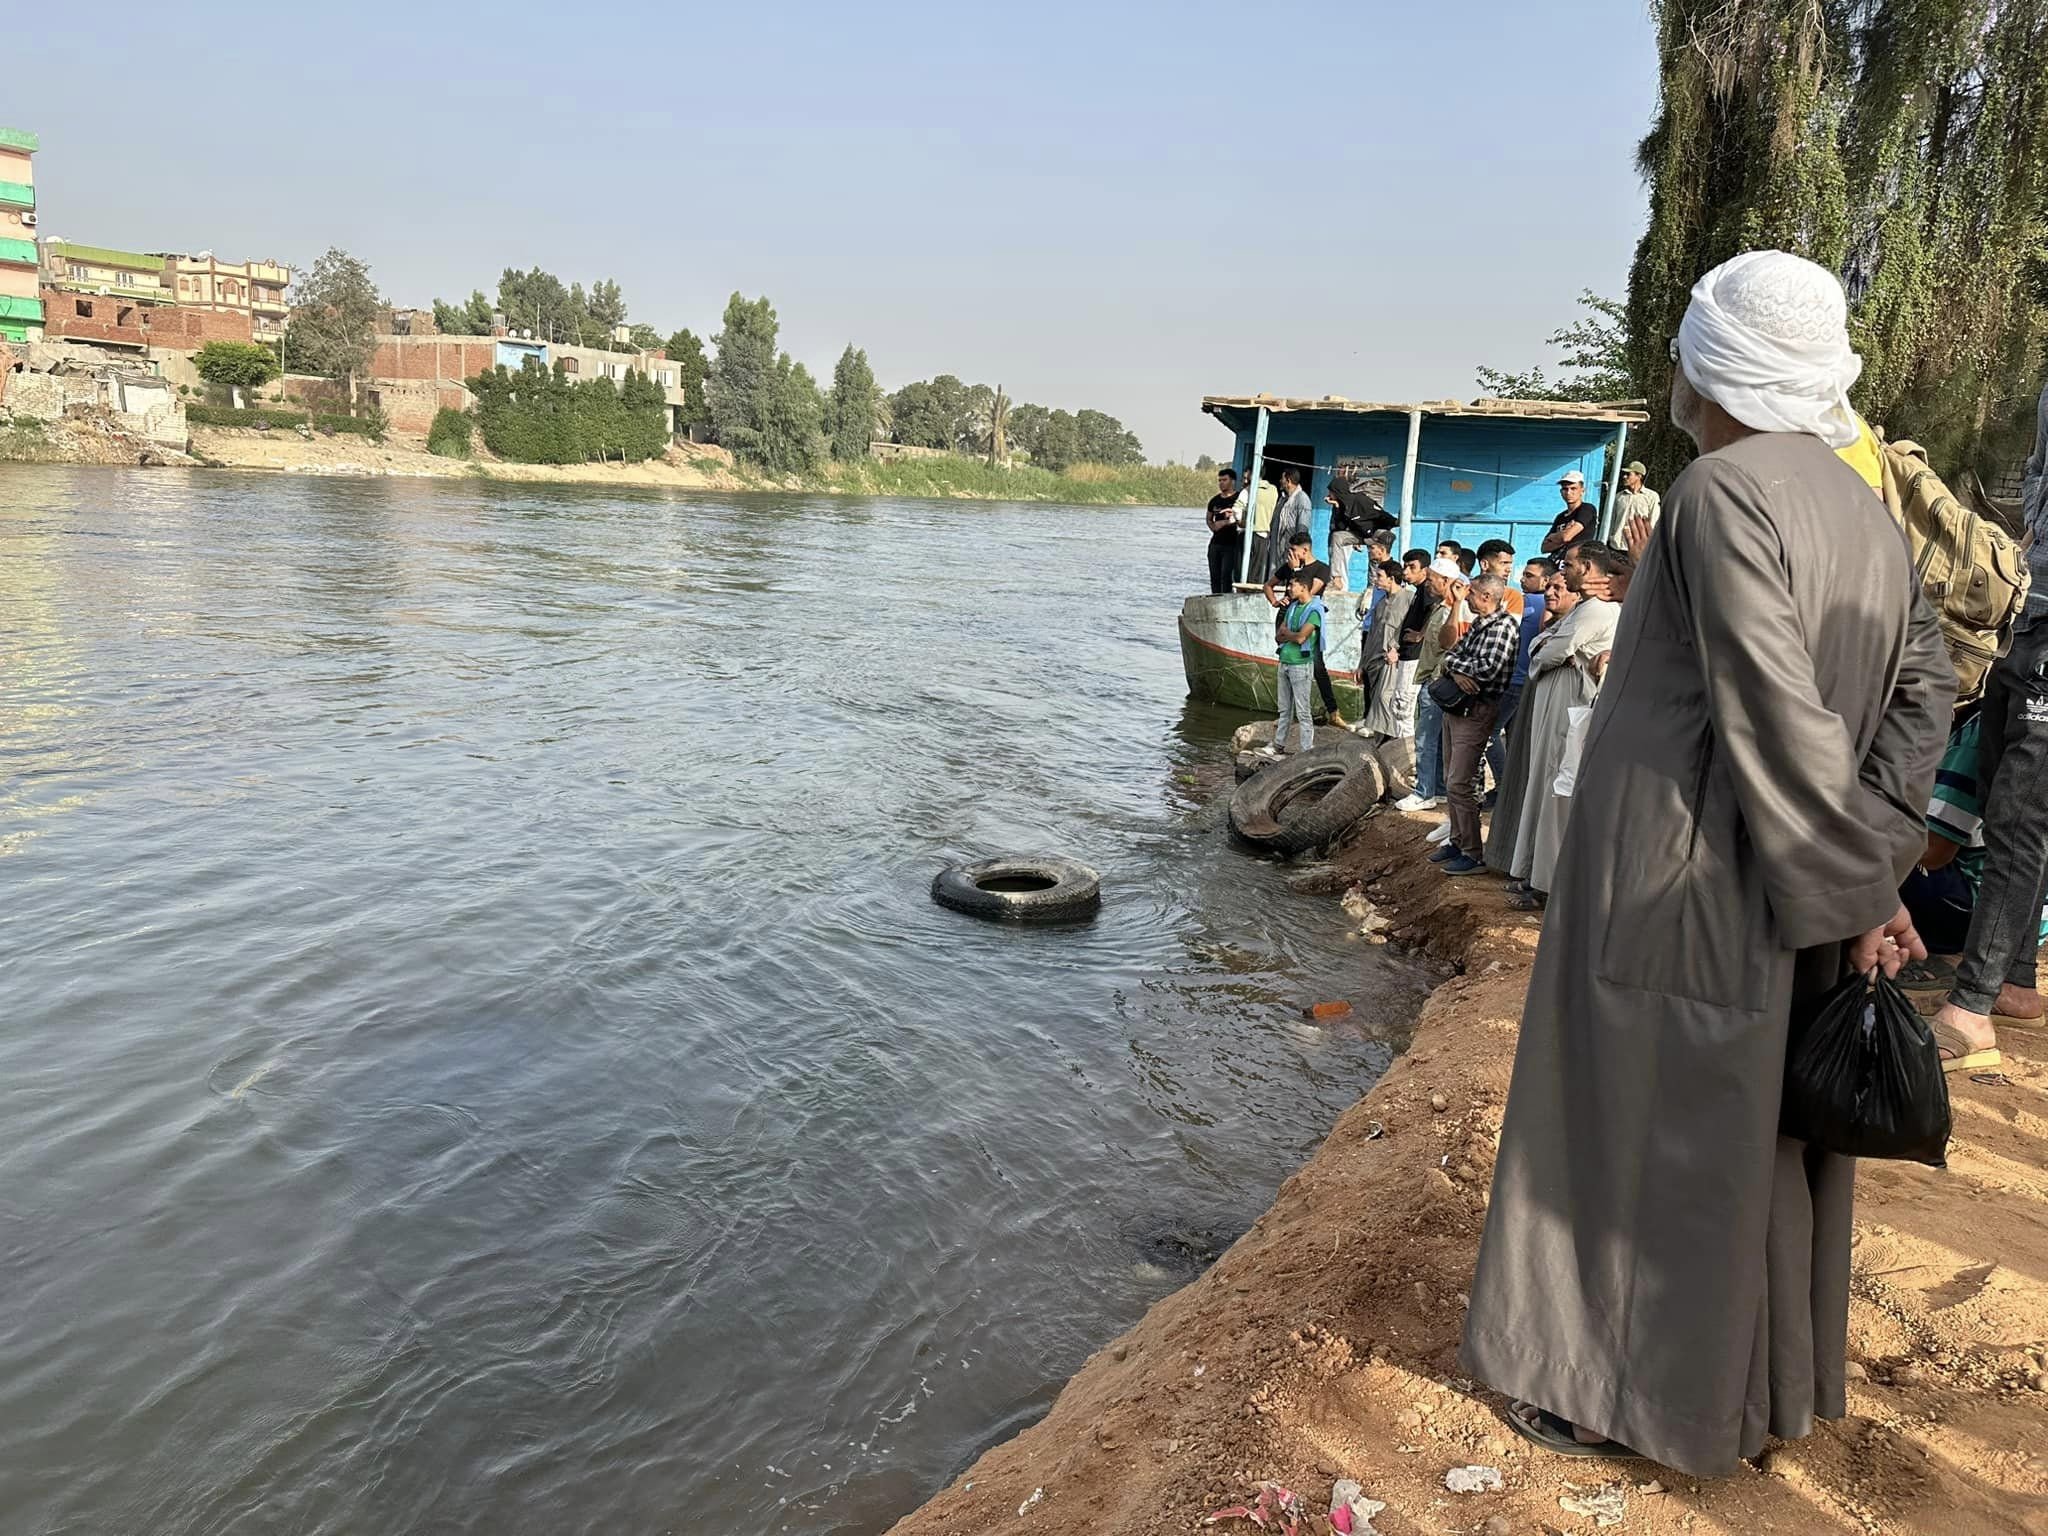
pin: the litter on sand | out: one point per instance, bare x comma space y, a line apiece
1275, 1508
1604, 1505
1036, 1495
1474, 1479
1351, 1511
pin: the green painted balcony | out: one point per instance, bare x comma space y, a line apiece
16, 195
21, 309
22, 253
21, 139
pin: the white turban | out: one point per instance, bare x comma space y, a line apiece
1766, 338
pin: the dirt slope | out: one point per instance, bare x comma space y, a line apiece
1323, 1344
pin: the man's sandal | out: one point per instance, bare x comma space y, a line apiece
1965, 1057
1545, 1430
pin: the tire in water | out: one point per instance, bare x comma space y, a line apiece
1027, 888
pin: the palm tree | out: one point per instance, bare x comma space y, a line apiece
996, 428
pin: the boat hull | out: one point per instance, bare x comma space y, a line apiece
1228, 653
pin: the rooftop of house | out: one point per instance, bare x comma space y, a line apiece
103, 256
1613, 412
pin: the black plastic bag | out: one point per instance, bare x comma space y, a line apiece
1863, 1076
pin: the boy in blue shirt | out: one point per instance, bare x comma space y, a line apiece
1300, 635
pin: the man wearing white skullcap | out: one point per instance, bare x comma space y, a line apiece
1662, 1272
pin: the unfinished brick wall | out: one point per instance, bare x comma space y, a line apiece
409, 405
173, 325
122, 321
449, 359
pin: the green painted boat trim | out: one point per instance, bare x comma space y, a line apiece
1238, 676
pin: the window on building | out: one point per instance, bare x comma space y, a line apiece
571, 365
84, 307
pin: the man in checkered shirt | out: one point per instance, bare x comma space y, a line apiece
1482, 665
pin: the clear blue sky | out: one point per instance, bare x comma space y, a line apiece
1092, 204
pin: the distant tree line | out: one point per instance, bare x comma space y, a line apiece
963, 418
540, 302
752, 397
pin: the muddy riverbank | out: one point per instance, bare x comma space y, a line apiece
1322, 1345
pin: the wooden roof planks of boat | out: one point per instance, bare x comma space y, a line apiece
1470, 471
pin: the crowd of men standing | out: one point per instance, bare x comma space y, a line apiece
1714, 744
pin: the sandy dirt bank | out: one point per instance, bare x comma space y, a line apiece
1323, 1344
283, 450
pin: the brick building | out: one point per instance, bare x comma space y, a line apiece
252, 288
411, 377
21, 303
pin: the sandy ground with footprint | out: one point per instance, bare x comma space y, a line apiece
1323, 1344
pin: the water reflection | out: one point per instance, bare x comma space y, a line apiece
481, 1055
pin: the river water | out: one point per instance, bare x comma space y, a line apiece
476, 1049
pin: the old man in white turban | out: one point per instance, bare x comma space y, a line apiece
1663, 1274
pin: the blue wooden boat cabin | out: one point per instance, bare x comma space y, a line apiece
1487, 469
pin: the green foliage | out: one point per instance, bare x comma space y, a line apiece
1596, 345
692, 368
539, 416
470, 318
1170, 485
228, 416
370, 422
537, 301
330, 331
449, 436
644, 337
764, 407
944, 413
794, 441
854, 406
1901, 143
236, 364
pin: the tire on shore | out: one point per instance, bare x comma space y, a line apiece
1397, 764
1026, 888
1309, 800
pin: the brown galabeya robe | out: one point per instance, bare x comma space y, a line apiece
1659, 1264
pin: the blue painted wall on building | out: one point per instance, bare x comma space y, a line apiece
1477, 478
513, 354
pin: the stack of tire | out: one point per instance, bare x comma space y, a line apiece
1304, 803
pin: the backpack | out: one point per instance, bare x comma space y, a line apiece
1973, 572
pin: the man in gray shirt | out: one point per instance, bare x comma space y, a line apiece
1634, 500
1292, 518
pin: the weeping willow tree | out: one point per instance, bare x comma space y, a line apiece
1901, 143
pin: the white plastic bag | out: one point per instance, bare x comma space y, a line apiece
1574, 744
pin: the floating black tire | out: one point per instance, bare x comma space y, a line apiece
1309, 800
1029, 889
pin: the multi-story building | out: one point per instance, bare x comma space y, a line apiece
252, 288
118, 298
21, 304
98, 293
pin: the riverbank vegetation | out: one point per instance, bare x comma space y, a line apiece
370, 423
954, 476
541, 416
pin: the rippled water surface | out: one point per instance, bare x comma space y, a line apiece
476, 1050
